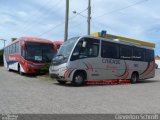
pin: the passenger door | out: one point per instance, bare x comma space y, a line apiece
111, 64
85, 55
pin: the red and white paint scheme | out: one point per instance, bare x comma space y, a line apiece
99, 60
29, 55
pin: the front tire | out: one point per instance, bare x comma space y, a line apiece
134, 78
19, 70
78, 79
61, 82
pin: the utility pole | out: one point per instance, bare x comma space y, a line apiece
66, 21
89, 17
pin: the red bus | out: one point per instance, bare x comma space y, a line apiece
29, 55
58, 44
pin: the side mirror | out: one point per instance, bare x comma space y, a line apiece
76, 54
84, 44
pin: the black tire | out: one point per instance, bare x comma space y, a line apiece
78, 79
61, 82
134, 78
19, 70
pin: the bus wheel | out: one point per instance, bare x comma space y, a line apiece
19, 70
61, 82
78, 79
134, 78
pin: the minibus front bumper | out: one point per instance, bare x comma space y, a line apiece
57, 77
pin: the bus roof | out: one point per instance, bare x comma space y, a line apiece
118, 42
32, 39
58, 42
124, 39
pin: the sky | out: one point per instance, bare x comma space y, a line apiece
137, 19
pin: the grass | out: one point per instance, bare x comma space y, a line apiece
44, 77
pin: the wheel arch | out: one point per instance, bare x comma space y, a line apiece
135, 72
134, 77
19, 66
80, 71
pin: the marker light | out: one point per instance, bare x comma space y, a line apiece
103, 33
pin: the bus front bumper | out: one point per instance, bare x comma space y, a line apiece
35, 71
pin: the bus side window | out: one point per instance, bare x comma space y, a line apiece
13, 48
138, 54
126, 52
23, 52
109, 50
9, 49
149, 55
17, 47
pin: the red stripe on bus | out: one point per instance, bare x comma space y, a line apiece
108, 82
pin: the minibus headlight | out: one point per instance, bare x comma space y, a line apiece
63, 69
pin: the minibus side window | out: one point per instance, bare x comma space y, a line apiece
109, 50
126, 52
149, 55
138, 54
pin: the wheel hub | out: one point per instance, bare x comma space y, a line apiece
79, 79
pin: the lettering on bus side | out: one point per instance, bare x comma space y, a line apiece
110, 61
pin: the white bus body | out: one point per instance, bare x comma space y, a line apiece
94, 58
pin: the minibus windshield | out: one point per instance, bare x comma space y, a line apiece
65, 50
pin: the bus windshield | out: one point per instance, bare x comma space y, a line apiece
65, 50
39, 52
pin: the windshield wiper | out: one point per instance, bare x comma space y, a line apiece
60, 55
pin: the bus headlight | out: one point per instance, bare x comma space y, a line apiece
30, 65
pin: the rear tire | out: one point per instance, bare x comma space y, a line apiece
78, 79
19, 70
61, 82
134, 78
